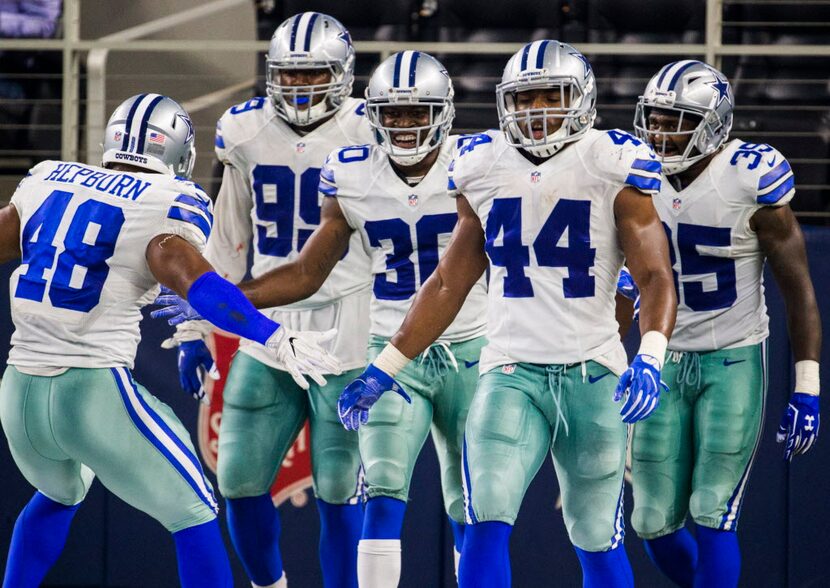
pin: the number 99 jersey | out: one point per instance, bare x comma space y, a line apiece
269, 194
76, 298
716, 257
551, 238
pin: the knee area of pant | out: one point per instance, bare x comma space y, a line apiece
386, 474
649, 522
705, 503
237, 483
591, 535
491, 493
336, 485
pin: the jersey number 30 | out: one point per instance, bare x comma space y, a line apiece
81, 268
504, 223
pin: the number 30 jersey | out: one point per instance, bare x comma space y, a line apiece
551, 238
717, 260
76, 298
269, 193
404, 229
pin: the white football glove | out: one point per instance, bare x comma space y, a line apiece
188, 331
301, 352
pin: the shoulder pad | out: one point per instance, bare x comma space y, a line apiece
765, 173
624, 158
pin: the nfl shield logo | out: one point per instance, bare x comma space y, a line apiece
294, 476
535, 177
413, 200
676, 203
508, 369
300, 147
117, 136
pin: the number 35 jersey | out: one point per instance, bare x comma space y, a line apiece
269, 194
404, 229
717, 260
551, 238
76, 298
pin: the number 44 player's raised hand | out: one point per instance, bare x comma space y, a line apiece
301, 353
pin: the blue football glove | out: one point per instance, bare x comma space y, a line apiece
195, 364
360, 395
799, 425
640, 384
176, 309
629, 289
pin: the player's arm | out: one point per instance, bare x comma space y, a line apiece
644, 244
782, 242
435, 306
177, 264
441, 297
305, 275
9, 234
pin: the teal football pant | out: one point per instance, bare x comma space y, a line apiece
65, 430
523, 411
264, 410
694, 453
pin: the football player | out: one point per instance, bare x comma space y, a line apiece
273, 148
553, 206
392, 196
725, 207
94, 242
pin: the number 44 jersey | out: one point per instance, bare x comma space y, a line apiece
76, 298
551, 237
717, 260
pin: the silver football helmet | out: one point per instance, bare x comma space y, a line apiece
153, 132
309, 40
547, 65
690, 89
411, 78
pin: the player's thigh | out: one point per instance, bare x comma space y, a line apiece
590, 461
451, 404
335, 456
506, 440
728, 419
392, 439
137, 447
662, 451
262, 412
25, 413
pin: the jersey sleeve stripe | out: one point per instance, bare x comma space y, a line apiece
219, 141
197, 203
781, 191
647, 185
649, 165
328, 175
451, 184
182, 214
153, 427
327, 189
771, 177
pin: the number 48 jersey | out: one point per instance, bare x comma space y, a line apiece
551, 237
76, 298
717, 260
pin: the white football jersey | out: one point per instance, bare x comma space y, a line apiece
716, 257
76, 298
552, 242
404, 229
269, 193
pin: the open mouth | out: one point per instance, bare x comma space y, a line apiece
537, 130
405, 140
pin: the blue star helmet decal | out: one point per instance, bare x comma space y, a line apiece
722, 88
584, 61
189, 124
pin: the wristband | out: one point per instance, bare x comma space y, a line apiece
390, 360
654, 343
806, 377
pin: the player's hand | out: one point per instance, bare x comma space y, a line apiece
301, 354
361, 394
799, 425
195, 361
640, 385
175, 308
629, 289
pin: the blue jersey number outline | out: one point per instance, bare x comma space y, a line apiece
399, 260
38, 252
280, 212
693, 263
505, 220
